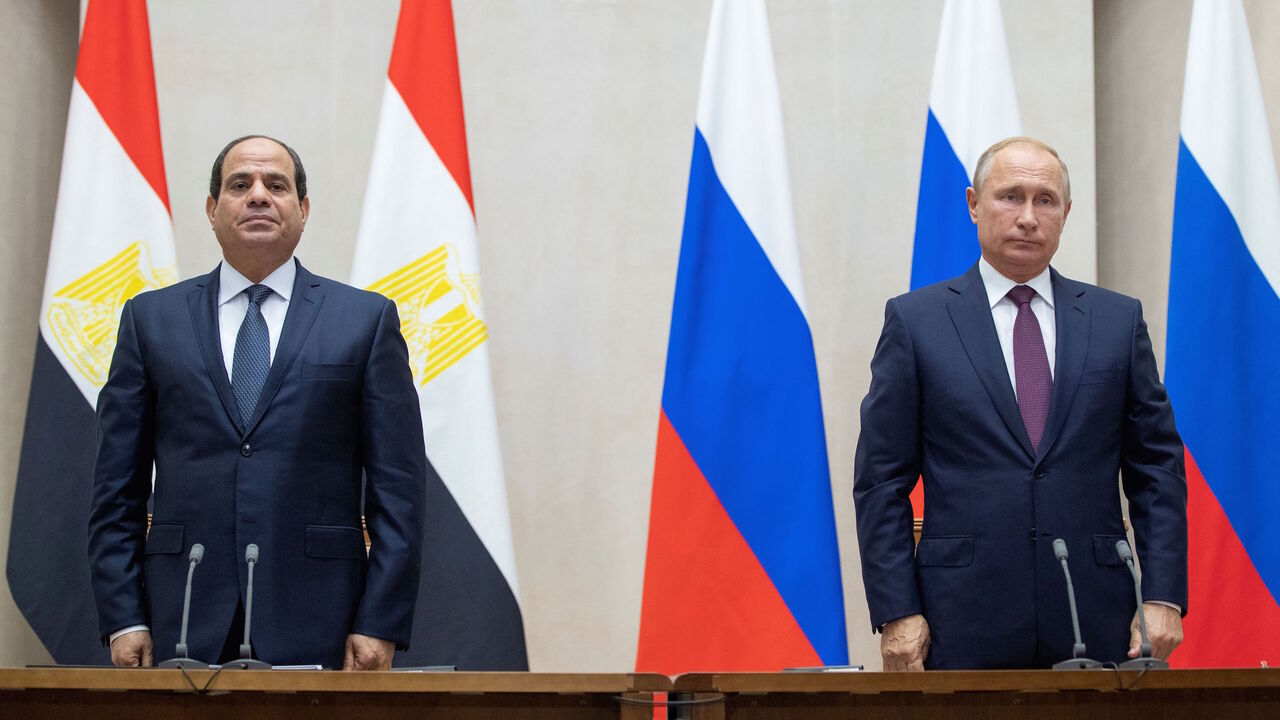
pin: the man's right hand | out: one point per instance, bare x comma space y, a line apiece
132, 650
904, 644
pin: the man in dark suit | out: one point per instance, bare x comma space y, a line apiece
1019, 396
262, 393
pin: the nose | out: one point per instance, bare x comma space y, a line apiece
1027, 216
258, 194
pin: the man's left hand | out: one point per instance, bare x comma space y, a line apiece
1164, 630
367, 653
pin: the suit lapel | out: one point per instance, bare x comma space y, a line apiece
203, 304
971, 315
304, 305
1072, 320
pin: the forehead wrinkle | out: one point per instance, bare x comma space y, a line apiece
1003, 177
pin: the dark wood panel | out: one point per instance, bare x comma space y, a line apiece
107, 693
997, 695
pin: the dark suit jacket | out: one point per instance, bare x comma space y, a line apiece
984, 575
339, 401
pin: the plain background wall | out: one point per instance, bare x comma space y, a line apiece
580, 123
38, 54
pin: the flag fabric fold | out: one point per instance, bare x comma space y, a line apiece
112, 238
742, 569
417, 245
1224, 309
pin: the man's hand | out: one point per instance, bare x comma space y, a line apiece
1164, 630
367, 653
132, 649
904, 644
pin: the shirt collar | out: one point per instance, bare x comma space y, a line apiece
231, 283
998, 285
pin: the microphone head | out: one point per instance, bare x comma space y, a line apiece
1060, 549
197, 553
251, 553
1123, 550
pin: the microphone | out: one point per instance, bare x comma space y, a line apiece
1077, 661
246, 661
1144, 661
181, 659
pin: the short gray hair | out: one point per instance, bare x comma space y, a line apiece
984, 162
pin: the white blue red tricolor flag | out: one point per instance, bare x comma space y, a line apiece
1224, 338
743, 570
112, 238
417, 245
971, 106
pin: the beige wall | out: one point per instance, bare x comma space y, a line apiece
580, 122
38, 54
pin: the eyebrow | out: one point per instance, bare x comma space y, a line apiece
274, 175
1033, 189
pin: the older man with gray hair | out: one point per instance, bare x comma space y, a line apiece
1018, 396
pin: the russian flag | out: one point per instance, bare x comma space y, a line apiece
417, 245
742, 570
112, 238
1224, 335
972, 105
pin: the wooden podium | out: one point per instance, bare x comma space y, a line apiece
39, 693
110, 693
1023, 694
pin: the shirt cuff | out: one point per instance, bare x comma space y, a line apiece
1166, 603
126, 631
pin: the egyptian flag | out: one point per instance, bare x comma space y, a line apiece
1224, 338
743, 570
972, 106
417, 246
112, 238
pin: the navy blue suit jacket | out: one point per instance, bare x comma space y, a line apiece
941, 406
339, 402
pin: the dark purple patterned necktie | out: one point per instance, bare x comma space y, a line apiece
1030, 366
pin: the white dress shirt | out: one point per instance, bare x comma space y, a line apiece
233, 304
1004, 311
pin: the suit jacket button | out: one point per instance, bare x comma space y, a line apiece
1032, 534
246, 449
1040, 474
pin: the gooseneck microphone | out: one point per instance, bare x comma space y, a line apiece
246, 661
1077, 661
1144, 661
181, 659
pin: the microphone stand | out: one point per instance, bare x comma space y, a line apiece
182, 660
1144, 661
1077, 661
246, 660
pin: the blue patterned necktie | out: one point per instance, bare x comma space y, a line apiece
252, 357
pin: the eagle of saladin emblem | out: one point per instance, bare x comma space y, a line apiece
439, 307
84, 316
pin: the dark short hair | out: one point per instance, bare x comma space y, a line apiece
299, 174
